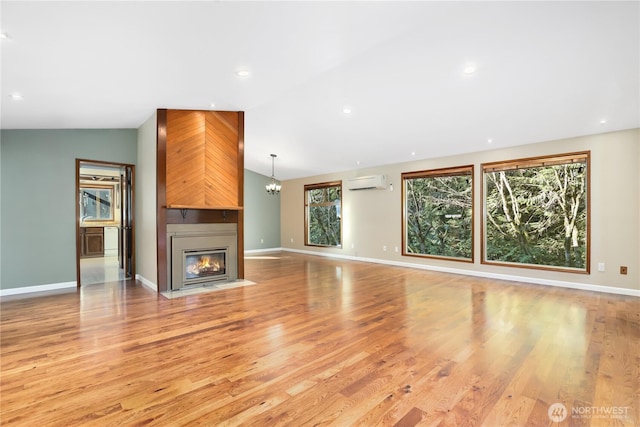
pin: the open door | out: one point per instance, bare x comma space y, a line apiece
126, 255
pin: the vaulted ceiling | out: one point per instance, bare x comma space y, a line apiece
419, 79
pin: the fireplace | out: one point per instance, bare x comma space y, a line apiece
201, 254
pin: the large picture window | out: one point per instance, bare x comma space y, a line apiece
536, 212
323, 217
438, 213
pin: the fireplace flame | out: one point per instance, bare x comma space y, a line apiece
204, 264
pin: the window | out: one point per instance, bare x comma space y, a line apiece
536, 212
323, 221
96, 203
438, 213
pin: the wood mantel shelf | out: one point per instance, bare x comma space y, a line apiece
210, 208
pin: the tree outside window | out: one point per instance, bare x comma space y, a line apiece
438, 213
323, 217
536, 212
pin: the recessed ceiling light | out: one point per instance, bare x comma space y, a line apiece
489, 141
469, 69
17, 97
603, 121
413, 153
242, 73
346, 110
212, 105
4, 36
357, 162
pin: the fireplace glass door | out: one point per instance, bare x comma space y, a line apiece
204, 265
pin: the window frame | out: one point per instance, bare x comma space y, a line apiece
532, 162
466, 171
307, 205
110, 190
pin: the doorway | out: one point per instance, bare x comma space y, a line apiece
104, 222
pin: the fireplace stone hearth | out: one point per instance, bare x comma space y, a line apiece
201, 254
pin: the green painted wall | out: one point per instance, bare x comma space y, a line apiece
37, 184
261, 213
37, 205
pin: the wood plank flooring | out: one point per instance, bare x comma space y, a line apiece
322, 342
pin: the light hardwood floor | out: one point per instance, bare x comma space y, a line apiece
321, 341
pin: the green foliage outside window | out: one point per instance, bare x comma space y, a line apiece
323, 215
537, 215
439, 213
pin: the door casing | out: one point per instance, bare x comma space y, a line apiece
126, 233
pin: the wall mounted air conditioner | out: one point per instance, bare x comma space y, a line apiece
373, 182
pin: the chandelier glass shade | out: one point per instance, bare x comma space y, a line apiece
273, 187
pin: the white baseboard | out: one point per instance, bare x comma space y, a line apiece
558, 283
37, 288
508, 277
147, 283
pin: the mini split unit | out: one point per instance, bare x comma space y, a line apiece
372, 182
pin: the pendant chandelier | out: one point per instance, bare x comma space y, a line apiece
273, 187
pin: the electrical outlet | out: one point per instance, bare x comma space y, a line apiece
292, 240
396, 249
623, 269
601, 266
384, 248
261, 240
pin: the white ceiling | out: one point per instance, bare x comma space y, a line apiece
545, 70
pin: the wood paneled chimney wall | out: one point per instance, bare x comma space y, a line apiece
200, 175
